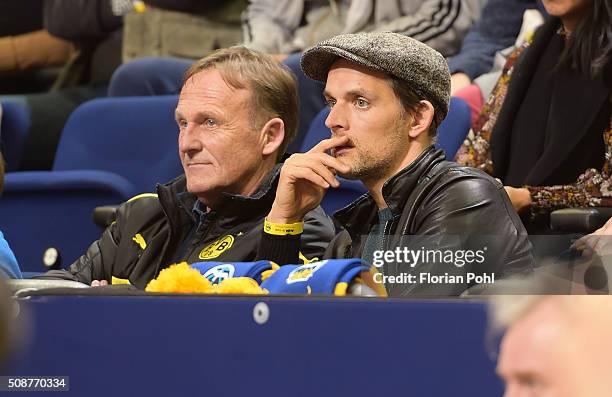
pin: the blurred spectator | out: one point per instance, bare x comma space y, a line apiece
541, 131
182, 29
599, 242
32, 50
555, 345
176, 33
8, 262
284, 28
497, 29
29, 56
503, 27
95, 31
17, 17
10, 326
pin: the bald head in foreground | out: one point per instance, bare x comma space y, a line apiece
555, 346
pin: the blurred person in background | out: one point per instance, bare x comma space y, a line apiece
546, 131
8, 263
284, 28
555, 346
503, 26
29, 56
496, 29
94, 29
185, 29
163, 40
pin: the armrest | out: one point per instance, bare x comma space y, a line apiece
580, 220
53, 209
105, 215
21, 287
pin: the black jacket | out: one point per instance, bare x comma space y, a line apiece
439, 206
167, 226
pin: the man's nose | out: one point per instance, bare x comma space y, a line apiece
337, 121
189, 141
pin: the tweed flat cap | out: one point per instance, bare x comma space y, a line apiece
423, 69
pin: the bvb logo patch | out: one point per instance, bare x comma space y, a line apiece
217, 248
304, 272
219, 273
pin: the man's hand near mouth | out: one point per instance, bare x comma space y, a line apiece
304, 179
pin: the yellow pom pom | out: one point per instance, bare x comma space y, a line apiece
180, 278
239, 285
267, 273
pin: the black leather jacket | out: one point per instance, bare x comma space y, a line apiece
442, 206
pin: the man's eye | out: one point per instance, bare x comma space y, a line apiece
210, 123
362, 103
331, 103
182, 124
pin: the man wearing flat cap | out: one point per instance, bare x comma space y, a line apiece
426, 223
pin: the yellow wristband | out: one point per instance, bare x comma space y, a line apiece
283, 229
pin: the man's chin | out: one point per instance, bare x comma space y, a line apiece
347, 160
198, 189
350, 175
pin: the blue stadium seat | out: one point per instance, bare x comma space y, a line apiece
340, 197
135, 137
316, 132
110, 150
14, 128
455, 127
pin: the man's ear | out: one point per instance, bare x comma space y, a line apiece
421, 119
273, 134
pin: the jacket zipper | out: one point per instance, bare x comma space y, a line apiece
385, 241
199, 238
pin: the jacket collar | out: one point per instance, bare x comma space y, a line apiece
178, 203
358, 216
582, 98
519, 83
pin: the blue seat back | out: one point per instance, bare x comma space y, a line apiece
316, 132
454, 128
14, 128
135, 137
338, 198
50, 209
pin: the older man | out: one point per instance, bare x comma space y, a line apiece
236, 113
432, 225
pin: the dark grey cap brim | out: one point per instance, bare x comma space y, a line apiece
317, 61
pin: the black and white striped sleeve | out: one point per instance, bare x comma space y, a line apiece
442, 24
